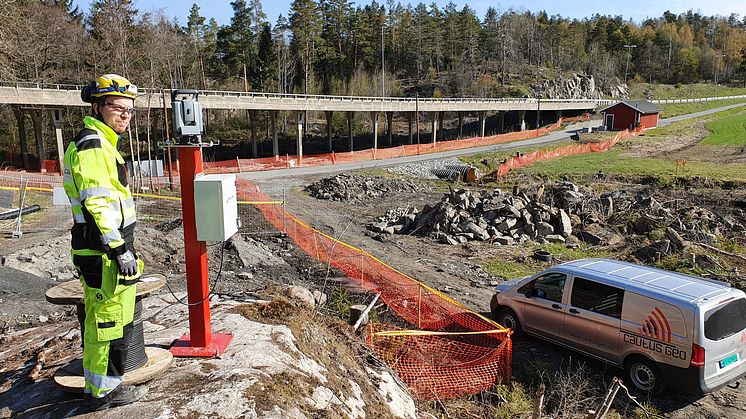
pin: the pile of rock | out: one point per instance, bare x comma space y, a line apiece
491, 216
354, 187
561, 212
394, 221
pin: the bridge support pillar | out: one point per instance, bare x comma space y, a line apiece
40, 150
350, 120
558, 115
374, 118
56, 115
522, 120
389, 127
329, 115
299, 142
252, 123
435, 126
441, 117
501, 119
273, 123
21, 118
460, 125
482, 122
410, 117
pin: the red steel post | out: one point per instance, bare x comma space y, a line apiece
190, 159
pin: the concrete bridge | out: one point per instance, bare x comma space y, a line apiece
34, 99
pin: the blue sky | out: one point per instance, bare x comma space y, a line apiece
637, 10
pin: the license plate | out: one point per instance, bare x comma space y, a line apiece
729, 360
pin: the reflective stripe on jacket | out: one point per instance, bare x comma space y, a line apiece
95, 181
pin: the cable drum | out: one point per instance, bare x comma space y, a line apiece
136, 356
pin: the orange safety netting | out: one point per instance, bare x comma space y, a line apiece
454, 352
289, 161
570, 150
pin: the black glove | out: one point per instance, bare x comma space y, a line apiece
127, 264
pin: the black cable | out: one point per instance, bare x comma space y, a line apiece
214, 284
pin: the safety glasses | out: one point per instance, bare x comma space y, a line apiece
119, 108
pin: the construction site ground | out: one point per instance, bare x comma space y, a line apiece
259, 266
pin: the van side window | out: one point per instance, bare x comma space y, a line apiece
550, 286
597, 297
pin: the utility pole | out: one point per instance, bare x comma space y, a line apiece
383, 65
629, 52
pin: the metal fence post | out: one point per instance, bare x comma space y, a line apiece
21, 201
284, 217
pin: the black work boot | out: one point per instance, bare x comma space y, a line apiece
118, 397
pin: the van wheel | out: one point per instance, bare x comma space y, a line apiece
507, 317
643, 375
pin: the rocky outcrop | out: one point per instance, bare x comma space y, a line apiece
577, 86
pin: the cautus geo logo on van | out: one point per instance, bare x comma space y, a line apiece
656, 326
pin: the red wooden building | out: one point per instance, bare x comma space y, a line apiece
628, 113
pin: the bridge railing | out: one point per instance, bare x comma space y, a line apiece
294, 96
367, 99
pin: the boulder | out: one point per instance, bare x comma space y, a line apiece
543, 229
565, 224
301, 295
448, 239
508, 224
503, 240
478, 231
597, 234
554, 238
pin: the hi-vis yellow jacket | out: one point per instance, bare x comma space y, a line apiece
95, 181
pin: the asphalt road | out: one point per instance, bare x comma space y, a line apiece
546, 139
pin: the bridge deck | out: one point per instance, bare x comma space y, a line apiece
68, 95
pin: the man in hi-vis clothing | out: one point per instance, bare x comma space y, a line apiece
103, 249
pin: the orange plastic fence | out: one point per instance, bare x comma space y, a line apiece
454, 352
289, 161
570, 150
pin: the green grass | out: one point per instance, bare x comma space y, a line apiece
676, 109
613, 162
494, 158
510, 269
729, 131
562, 252
684, 91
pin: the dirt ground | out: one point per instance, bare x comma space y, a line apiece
254, 263
458, 270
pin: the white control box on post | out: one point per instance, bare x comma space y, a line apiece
216, 207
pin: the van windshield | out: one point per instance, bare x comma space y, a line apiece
725, 320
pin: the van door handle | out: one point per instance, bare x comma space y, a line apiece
556, 306
574, 311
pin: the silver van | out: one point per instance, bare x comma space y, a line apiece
664, 328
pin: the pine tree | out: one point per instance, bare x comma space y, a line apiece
305, 27
266, 61
236, 44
